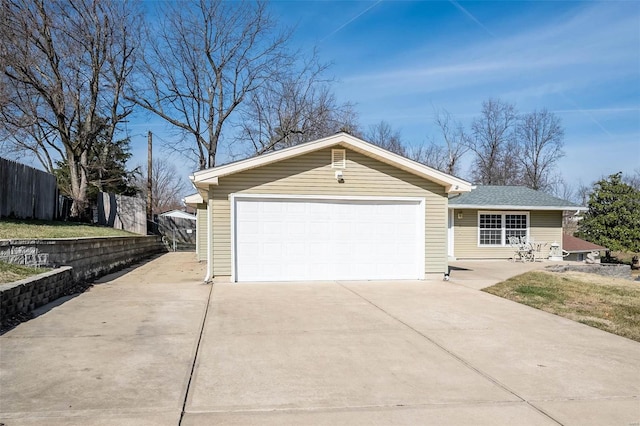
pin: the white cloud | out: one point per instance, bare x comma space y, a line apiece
595, 44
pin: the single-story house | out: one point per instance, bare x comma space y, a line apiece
340, 208
577, 249
334, 208
482, 220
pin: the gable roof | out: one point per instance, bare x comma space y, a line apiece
452, 184
576, 245
179, 214
511, 198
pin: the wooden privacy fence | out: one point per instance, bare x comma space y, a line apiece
27, 193
121, 212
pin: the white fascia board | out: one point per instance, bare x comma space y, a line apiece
193, 199
205, 176
206, 182
451, 183
503, 207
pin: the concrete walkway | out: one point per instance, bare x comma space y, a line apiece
479, 274
319, 353
120, 353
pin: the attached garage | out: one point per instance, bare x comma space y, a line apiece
334, 209
311, 238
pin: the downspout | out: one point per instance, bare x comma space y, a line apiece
209, 275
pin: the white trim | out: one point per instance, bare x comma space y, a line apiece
451, 253
237, 195
234, 230
193, 199
452, 184
503, 208
421, 242
209, 276
420, 201
503, 229
198, 230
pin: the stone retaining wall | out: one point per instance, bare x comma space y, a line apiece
25, 295
604, 269
84, 259
89, 257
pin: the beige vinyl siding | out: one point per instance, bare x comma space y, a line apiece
201, 232
311, 174
544, 226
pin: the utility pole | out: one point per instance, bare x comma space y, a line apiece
149, 176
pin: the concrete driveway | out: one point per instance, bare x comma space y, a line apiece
131, 351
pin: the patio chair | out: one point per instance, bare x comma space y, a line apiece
522, 250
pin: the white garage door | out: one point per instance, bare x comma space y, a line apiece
304, 239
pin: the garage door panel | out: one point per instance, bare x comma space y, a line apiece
280, 239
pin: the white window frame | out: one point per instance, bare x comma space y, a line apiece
503, 230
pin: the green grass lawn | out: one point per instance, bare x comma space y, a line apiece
36, 229
610, 304
10, 273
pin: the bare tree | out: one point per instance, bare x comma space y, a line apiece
633, 179
383, 135
494, 144
431, 154
582, 193
541, 138
293, 109
64, 67
444, 157
167, 185
206, 59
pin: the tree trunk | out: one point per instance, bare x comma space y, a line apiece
78, 181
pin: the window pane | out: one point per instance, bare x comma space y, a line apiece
490, 221
490, 237
515, 233
515, 221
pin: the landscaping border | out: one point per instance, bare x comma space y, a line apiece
24, 296
84, 259
89, 257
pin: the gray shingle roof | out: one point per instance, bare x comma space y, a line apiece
488, 196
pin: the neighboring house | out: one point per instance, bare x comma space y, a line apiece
481, 221
179, 214
338, 208
578, 249
195, 201
179, 227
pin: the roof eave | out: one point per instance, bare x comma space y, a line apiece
193, 200
514, 207
204, 178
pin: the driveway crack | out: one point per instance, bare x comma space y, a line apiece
195, 357
453, 354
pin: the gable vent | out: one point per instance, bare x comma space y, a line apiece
338, 158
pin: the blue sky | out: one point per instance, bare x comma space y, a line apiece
399, 60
